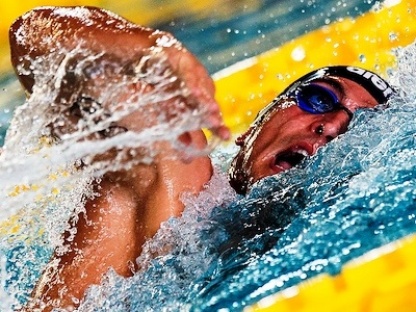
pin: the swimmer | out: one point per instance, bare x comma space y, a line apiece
129, 205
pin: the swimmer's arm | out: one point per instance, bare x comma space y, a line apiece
49, 29
45, 30
173, 177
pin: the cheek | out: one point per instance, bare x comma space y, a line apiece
276, 131
277, 138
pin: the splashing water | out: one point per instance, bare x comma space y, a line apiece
356, 194
49, 160
353, 196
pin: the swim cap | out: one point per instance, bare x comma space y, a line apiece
373, 83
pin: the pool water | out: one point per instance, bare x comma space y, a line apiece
227, 252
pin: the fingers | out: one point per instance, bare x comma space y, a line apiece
202, 91
216, 122
199, 84
223, 132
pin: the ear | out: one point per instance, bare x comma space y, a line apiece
242, 137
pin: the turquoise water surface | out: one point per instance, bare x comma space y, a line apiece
227, 252
356, 194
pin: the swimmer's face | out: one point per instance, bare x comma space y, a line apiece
287, 134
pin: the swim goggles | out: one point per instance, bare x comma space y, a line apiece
316, 99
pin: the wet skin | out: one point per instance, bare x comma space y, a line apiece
290, 134
130, 205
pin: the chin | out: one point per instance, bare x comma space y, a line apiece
238, 177
239, 183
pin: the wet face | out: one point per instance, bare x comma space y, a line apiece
288, 134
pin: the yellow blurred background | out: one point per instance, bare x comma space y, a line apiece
245, 87
144, 12
365, 40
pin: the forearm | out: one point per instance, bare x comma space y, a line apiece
58, 30
46, 30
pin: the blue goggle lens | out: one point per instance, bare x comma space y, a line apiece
316, 99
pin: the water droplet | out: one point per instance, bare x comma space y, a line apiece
298, 54
393, 36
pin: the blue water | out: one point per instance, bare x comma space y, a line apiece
356, 194
253, 27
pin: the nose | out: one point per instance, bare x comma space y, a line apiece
331, 125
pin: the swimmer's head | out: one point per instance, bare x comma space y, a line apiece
309, 113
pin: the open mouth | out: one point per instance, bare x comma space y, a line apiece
290, 158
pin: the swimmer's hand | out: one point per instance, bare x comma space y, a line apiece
200, 86
47, 29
